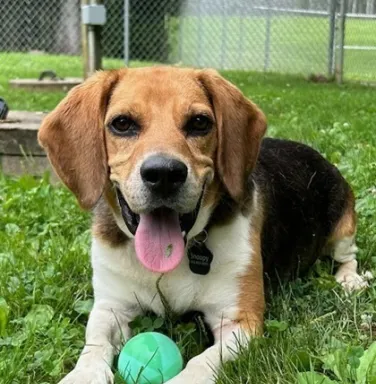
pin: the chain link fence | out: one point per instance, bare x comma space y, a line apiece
257, 35
46, 26
287, 36
360, 44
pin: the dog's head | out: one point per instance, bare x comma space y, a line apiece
167, 139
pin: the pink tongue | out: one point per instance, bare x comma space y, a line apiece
159, 241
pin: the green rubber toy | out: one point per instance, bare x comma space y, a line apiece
149, 358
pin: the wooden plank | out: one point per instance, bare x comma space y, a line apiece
46, 85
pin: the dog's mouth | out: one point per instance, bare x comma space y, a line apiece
159, 235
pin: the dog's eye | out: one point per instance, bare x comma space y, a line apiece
124, 126
198, 125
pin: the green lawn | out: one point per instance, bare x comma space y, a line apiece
311, 325
297, 44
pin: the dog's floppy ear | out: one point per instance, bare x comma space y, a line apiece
241, 126
73, 137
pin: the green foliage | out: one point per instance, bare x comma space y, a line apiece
274, 326
4, 311
366, 371
39, 316
83, 307
313, 378
348, 364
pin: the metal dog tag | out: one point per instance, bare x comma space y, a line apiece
200, 258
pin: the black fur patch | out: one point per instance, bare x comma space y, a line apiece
304, 197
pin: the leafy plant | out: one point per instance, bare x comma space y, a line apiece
4, 311
313, 378
366, 371
347, 364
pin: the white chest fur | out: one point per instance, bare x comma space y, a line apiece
121, 279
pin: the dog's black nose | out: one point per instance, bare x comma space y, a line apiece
163, 175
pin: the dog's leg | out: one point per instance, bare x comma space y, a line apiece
344, 249
344, 252
202, 369
230, 335
105, 331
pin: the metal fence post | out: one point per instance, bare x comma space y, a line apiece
94, 44
85, 53
93, 18
332, 28
341, 42
126, 32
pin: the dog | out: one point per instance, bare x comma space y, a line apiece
182, 185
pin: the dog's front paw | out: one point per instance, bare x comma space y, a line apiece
351, 281
89, 375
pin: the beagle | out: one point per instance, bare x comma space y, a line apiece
173, 164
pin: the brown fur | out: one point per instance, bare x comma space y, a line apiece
241, 126
104, 225
160, 105
251, 298
73, 137
346, 225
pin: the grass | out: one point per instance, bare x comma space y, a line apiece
310, 325
297, 44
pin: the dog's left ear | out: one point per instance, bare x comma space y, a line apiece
241, 126
73, 137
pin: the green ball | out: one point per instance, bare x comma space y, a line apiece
149, 358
